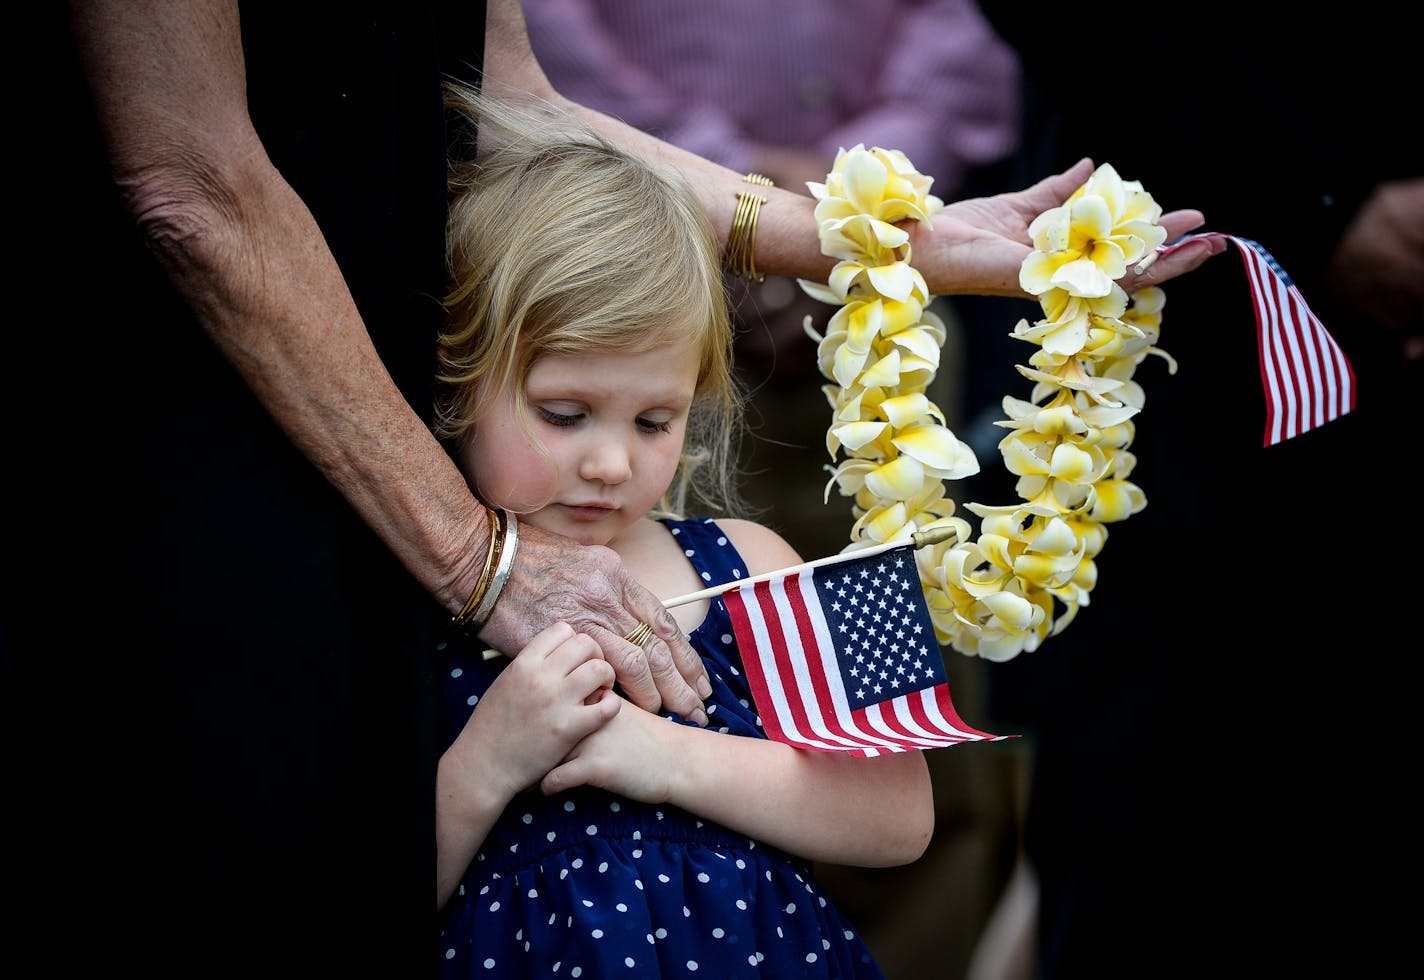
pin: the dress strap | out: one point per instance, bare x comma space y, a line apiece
708, 549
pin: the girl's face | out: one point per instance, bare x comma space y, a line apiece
611, 427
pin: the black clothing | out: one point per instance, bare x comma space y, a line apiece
219, 684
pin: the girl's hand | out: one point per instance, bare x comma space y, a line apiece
553, 694
633, 755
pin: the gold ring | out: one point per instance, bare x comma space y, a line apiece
639, 634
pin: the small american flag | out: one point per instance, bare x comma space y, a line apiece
1307, 379
843, 657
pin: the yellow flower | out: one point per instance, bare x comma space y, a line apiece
1087, 243
1034, 564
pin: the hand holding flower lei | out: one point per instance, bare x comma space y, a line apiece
1068, 444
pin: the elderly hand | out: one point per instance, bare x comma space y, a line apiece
555, 579
976, 246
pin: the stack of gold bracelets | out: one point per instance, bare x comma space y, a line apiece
739, 258
499, 562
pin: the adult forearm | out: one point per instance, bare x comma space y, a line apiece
169, 88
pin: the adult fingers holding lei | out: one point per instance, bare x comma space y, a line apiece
976, 246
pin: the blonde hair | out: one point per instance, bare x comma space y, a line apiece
559, 242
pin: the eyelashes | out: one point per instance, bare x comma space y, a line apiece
563, 420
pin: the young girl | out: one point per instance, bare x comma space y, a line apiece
585, 379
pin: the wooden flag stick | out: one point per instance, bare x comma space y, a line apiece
919, 539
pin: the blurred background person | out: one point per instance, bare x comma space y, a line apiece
776, 89
1212, 780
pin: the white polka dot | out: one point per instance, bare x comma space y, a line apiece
736, 573
526, 945
760, 956
692, 965
578, 862
821, 902
664, 879
752, 959
638, 853
602, 866
810, 957
637, 835
568, 806
742, 904
638, 883
779, 933
591, 829
587, 904
650, 938
825, 944
533, 893
791, 909
707, 576
660, 814
557, 965
494, 906
527, 818
702, 877
457, 672
726, 638
689, 552
550, 836
628, 962
449, 954
741, 864
519, 934
621, 907
576, 971
661, 933
563, 873
552, 917
722, 541
472, 700
849, 934
686, 912
597, 934
489, 963
484, 889
513, 848
718, 933
615, 806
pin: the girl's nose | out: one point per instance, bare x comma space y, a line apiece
606, 461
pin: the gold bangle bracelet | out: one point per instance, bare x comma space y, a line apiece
509, 544
477, 594
739, 258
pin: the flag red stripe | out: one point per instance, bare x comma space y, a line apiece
821, 664
1306, 377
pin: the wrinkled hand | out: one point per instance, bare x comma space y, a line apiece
1378, 265
557, 580
976, 246
554, 693
633, 756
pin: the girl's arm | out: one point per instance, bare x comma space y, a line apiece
823, 806
549, 697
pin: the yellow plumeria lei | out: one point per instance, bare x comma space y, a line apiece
1068, 444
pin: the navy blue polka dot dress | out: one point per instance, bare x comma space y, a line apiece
588, 884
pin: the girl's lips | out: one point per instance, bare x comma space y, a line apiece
588, 512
